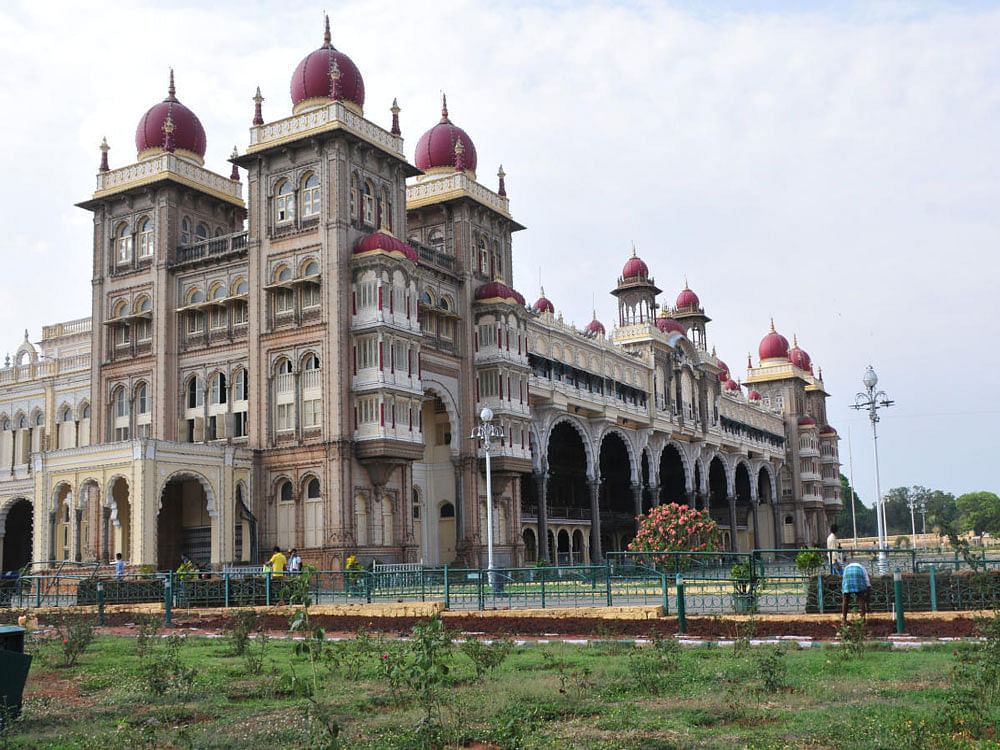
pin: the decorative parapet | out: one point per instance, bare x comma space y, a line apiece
434, 189
69, 328
45, 369
168, 166
334, 116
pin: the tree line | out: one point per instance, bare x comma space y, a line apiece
932, 510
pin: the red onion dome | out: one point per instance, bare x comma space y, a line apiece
436, 147
186, 135
668, 325
798, 357
807, 421
595, 328
383, 242
828, 430
731, 385
497, 290
687, 300
723, 371
754, 395
312, 84
544, 305
773, 346
635, 268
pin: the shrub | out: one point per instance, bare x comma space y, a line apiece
487, 656
676, 528
239, 630
809, 561
74, 635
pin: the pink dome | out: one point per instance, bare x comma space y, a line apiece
595, 328
773, 346
544, 305
754, 395
731, 385
827, 430
668, 325
807, 421
436, 147
382, 241
798, 357
497, 290
311, 79
188, 134
724, 371
687, 300
635, 268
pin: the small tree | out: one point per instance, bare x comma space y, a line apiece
676, 528
809, 562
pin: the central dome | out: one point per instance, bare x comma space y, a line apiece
312, 84
773, 346
436, 147
187, 134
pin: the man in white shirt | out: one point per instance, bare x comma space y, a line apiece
832, 546
294, 561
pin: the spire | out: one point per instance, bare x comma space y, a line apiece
502, 191
335, 80
749, 361
170, 89
772, 324
168, 133
795, 341
686, 282
326, 31
235, 174
444, 107
820, 373
713, 352
459, 159
395, 117
104, 155
258, 115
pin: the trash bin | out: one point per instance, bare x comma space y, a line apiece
14, 666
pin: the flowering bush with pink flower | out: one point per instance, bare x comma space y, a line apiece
676, 528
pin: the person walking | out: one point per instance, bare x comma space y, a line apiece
832, 546
277, 562
119, 566
856, 582
294, 561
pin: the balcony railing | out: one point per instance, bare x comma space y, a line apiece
230, 244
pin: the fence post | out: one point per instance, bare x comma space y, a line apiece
957, 564
368, 586
897, 582
819, 592
479, 589
267, 588
38, 591
666, 595
542, 571
681, 621
100, 602
168, 597
225, 587
933, 584
607, 570
447, 591
423, 578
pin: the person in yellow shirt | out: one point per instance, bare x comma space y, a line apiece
277, 563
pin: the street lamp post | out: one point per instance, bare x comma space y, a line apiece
487, 432
871, 401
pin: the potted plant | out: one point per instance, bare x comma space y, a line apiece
744, 596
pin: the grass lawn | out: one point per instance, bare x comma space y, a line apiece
371, 692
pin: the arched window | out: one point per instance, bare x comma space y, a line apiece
240, 386
497, 258
85, 414
195, 393
311, 362
427, 298
284, 367
284, 208
310, 197
484, 261
145, 238
142, 405
444, 303
143, 305
6, 425
283, 274
185, 231
285, 492
312, 489
447, 510
436, 240
311, 269
368, 204
120, 310
385, 210
39, 420
218, 292
121, 402
354, 197
218, 395
67, 415
196, 297
23, 423
241, 288
201, 233
123, 244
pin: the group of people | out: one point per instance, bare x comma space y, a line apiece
279, 563
854, 578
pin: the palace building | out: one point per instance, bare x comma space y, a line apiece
296, 352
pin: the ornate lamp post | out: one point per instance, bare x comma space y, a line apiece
487, 432
871, 401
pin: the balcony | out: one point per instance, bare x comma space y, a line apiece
217, 248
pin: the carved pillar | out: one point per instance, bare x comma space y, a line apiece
756, 529
733, 546
776, 514
542, 484
596, 556
637, 500
654, 495
106, 534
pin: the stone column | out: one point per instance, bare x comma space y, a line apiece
596, 556
637, 500
776, 516
733, 546
756, 529
654, 495
542, 484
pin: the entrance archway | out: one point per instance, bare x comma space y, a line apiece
183, 526
17, 534
617, 504
744, 508
120, 533
765, 511
434, 474
530, 547
672, 485
718, 494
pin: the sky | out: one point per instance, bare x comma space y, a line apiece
831, 165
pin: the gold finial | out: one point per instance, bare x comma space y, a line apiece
235, 153
395, 107
170, 89
772, 324
713, 351
104, 145
795, 341
257, 98
501, 174
444, 107
633, 248
326, 30
686, 282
